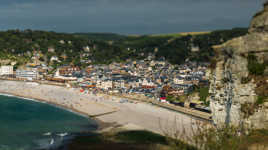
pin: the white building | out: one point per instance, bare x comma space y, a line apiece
6, 70
86, 49
27, 74
106, 85
54, 58
146, 82
51, 49
58, 76
119, 84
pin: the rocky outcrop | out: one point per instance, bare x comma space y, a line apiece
259, 22
233, 100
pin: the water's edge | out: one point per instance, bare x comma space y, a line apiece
71, 136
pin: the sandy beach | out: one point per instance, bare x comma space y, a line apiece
130, 115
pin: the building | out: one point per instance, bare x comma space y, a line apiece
51, 50
178, 81
147, 83
6, 70
54, 58
86, 49
119, 84
105, 85
68, 70
27, 74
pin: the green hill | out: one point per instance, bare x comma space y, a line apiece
78, 48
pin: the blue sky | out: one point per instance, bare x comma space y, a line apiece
127, 16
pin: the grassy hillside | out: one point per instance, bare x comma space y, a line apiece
105, 48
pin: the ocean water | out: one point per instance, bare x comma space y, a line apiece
27, 125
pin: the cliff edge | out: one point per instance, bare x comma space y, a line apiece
259, 22
239, 80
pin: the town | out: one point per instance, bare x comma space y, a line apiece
141, 79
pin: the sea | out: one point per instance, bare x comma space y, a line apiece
26, 124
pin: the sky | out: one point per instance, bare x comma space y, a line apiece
127, 16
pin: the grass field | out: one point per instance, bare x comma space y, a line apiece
180, 34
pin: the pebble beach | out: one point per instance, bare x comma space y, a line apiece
106, 109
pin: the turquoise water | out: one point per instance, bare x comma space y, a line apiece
26, 124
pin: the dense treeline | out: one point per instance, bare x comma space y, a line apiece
23, 43
106, 48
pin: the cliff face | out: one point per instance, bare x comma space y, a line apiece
238, 96
259, 22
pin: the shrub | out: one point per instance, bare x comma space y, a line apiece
203, 93
213, 63
245, 80
254, 67
260, 100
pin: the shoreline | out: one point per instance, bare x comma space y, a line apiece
101, 124
45, 102
108, 110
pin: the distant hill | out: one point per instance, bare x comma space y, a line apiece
101, 36
78, 48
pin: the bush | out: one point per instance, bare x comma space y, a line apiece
203, 93
254, 67
245, 80
213, 64
261, 100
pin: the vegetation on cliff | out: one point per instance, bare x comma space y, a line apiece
254, 67
256, 73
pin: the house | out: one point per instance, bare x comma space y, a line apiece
133, 83
105, 85
176, 92
6, 70
86, 49
68, 70
194, 48
64, 56
54, 58
62, 42
59, 77
147, 82
51, 50
118, 83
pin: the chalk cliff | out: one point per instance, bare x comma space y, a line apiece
239, 80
